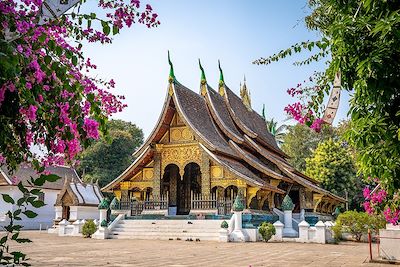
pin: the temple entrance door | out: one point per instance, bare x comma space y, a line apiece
169, 186
65, 212
191, 182
294, 195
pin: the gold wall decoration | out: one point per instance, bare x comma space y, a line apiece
216, 172
125, 185
138, 176
317, 198
181, 134
148, 173
229, 175
187, 134
117, 194
180, 155
141, 185
227, 182
176, 134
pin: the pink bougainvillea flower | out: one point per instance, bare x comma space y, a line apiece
91, 128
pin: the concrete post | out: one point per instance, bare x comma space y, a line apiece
103, 215
223, 235
58, 212
329, 236
237, 234
77, 227
288, 229
320, 232
303, 231
62, 225
278, 231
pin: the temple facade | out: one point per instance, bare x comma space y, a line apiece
206, 148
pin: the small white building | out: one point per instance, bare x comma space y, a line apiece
46, 214
77, 201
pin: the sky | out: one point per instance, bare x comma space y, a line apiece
236, 32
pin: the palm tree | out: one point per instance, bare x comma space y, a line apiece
272, 127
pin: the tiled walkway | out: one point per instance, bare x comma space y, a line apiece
51, 250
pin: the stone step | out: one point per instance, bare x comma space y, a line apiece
170, 222
168, 226
165, 233
167, 230
173, 236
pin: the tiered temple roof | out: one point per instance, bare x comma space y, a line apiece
229, 132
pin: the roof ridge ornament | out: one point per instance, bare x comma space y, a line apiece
203, 80
245, 94
221, 84
171, 70
171, 77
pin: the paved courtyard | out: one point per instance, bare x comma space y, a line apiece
51, 250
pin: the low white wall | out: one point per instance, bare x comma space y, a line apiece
46, 214
84, 212
389, 244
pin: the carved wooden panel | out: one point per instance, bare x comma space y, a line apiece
216, 172
180, 155
148, 174
181, 134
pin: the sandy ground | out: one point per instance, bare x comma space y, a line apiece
52, 250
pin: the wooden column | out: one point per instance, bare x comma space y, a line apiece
157, 175
205, 175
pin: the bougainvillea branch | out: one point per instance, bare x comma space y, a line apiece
309, 108
48, 98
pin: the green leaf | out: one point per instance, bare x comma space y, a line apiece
23, 240
22, 188
47, 59
35, 191
51, 177
15, 236
30, 214
40, 181
42, 38
8, 199
38, 204
106, 30
20, 201
74, 60
3, 239
115, 30
59, 51
51, 44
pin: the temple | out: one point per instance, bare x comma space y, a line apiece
208, 147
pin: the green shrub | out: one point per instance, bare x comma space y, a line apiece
89, 228
266, 230
224, 225
357, 224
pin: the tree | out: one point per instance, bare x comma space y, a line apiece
362, 40
48, 98
272, 126
300, 142
277, 132
112, 154
333, 166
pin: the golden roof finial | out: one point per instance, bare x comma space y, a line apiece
245, 94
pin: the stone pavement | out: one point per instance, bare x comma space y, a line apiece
52, 250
